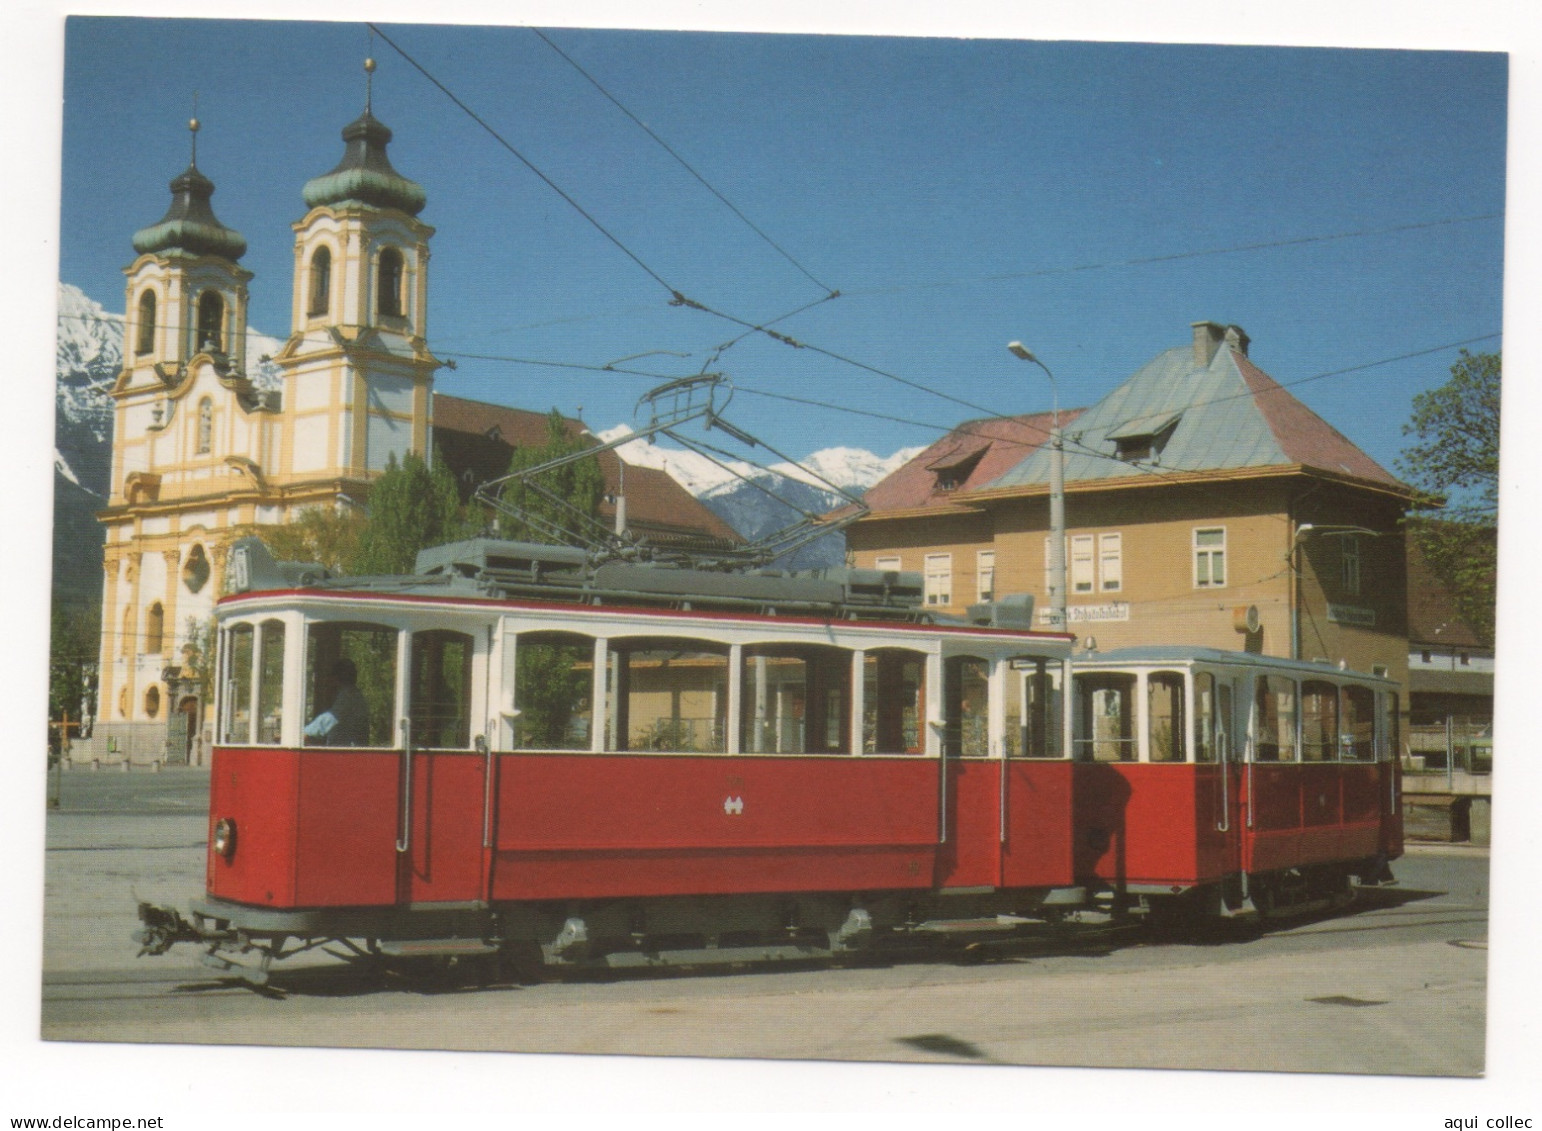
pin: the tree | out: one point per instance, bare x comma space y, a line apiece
321, 534
581, 483
73, 639
411, 507
1455, 465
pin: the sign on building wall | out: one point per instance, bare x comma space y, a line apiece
1090, 614
1352, 615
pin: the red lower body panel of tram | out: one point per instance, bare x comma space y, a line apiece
334, 828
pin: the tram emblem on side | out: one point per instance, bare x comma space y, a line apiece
733, 806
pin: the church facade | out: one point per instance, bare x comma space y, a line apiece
201, 454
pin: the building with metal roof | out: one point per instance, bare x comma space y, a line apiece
1205, 505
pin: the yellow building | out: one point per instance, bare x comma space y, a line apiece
1205, 505
201, 454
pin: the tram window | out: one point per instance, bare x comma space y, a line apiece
1033, 710
1358, 728
440, 691
1206, 748
371, 650
795, 700
554, 691
270, 683
893, 701
1105, 706
1275, 721
240, 649
667, 695
1165, 740
1389, 745
966, 707
1319, 721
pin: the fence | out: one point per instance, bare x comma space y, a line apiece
1465, 745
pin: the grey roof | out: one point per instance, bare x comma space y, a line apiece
365, 174
1226, 414
190, 225
1183, 653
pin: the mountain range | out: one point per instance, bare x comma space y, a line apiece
753, 500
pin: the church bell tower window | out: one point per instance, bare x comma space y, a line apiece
146, 340
211, 321
321, 282
388, 299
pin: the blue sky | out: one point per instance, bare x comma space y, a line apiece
959, 193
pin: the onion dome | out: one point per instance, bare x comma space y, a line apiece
189, 224
365, 176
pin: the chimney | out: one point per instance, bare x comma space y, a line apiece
1237, 339
1207, 336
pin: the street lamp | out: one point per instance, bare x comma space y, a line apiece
1057, 585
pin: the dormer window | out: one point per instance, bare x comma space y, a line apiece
146, 339
211, 322
1142, 440
392, 272
953, 470
320, 282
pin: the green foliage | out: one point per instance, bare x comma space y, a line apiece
581, 484
322, 534
554, 683
73, 640
198, 656
1455, 463
1457, 453
411, 507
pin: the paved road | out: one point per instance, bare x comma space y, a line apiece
1395, 986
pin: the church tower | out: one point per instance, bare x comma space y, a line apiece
358, 375
189, 435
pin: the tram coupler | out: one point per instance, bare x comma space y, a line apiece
163, 928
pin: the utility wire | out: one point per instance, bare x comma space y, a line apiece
499, 138
686, 165
1142, 261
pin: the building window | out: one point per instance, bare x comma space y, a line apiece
985, 574
211, 321
205, 426
1210, 557
1111, 562
155, 628
887, 563
321, 281
939, 579
146, 340
1349, 551
388, 293
195, 571
126, 633
1424, 657
1081, 563
152, 701
1463, 659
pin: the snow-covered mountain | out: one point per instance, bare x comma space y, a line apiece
734, 490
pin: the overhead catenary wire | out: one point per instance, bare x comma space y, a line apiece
686, 165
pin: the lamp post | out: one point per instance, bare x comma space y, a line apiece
1057, 585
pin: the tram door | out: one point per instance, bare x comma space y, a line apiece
1221, 740
970, 779
439, 845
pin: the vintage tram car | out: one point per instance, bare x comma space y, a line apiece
560, 762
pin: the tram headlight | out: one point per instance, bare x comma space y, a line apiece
225, 837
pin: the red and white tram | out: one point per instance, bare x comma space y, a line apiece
623, 763
523, 753
1216, 777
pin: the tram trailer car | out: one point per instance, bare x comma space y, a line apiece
622, 764
1208, 779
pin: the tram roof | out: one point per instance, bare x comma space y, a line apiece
1183, 654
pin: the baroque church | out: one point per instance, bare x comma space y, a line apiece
202, 454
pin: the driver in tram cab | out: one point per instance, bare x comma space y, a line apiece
346, 722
